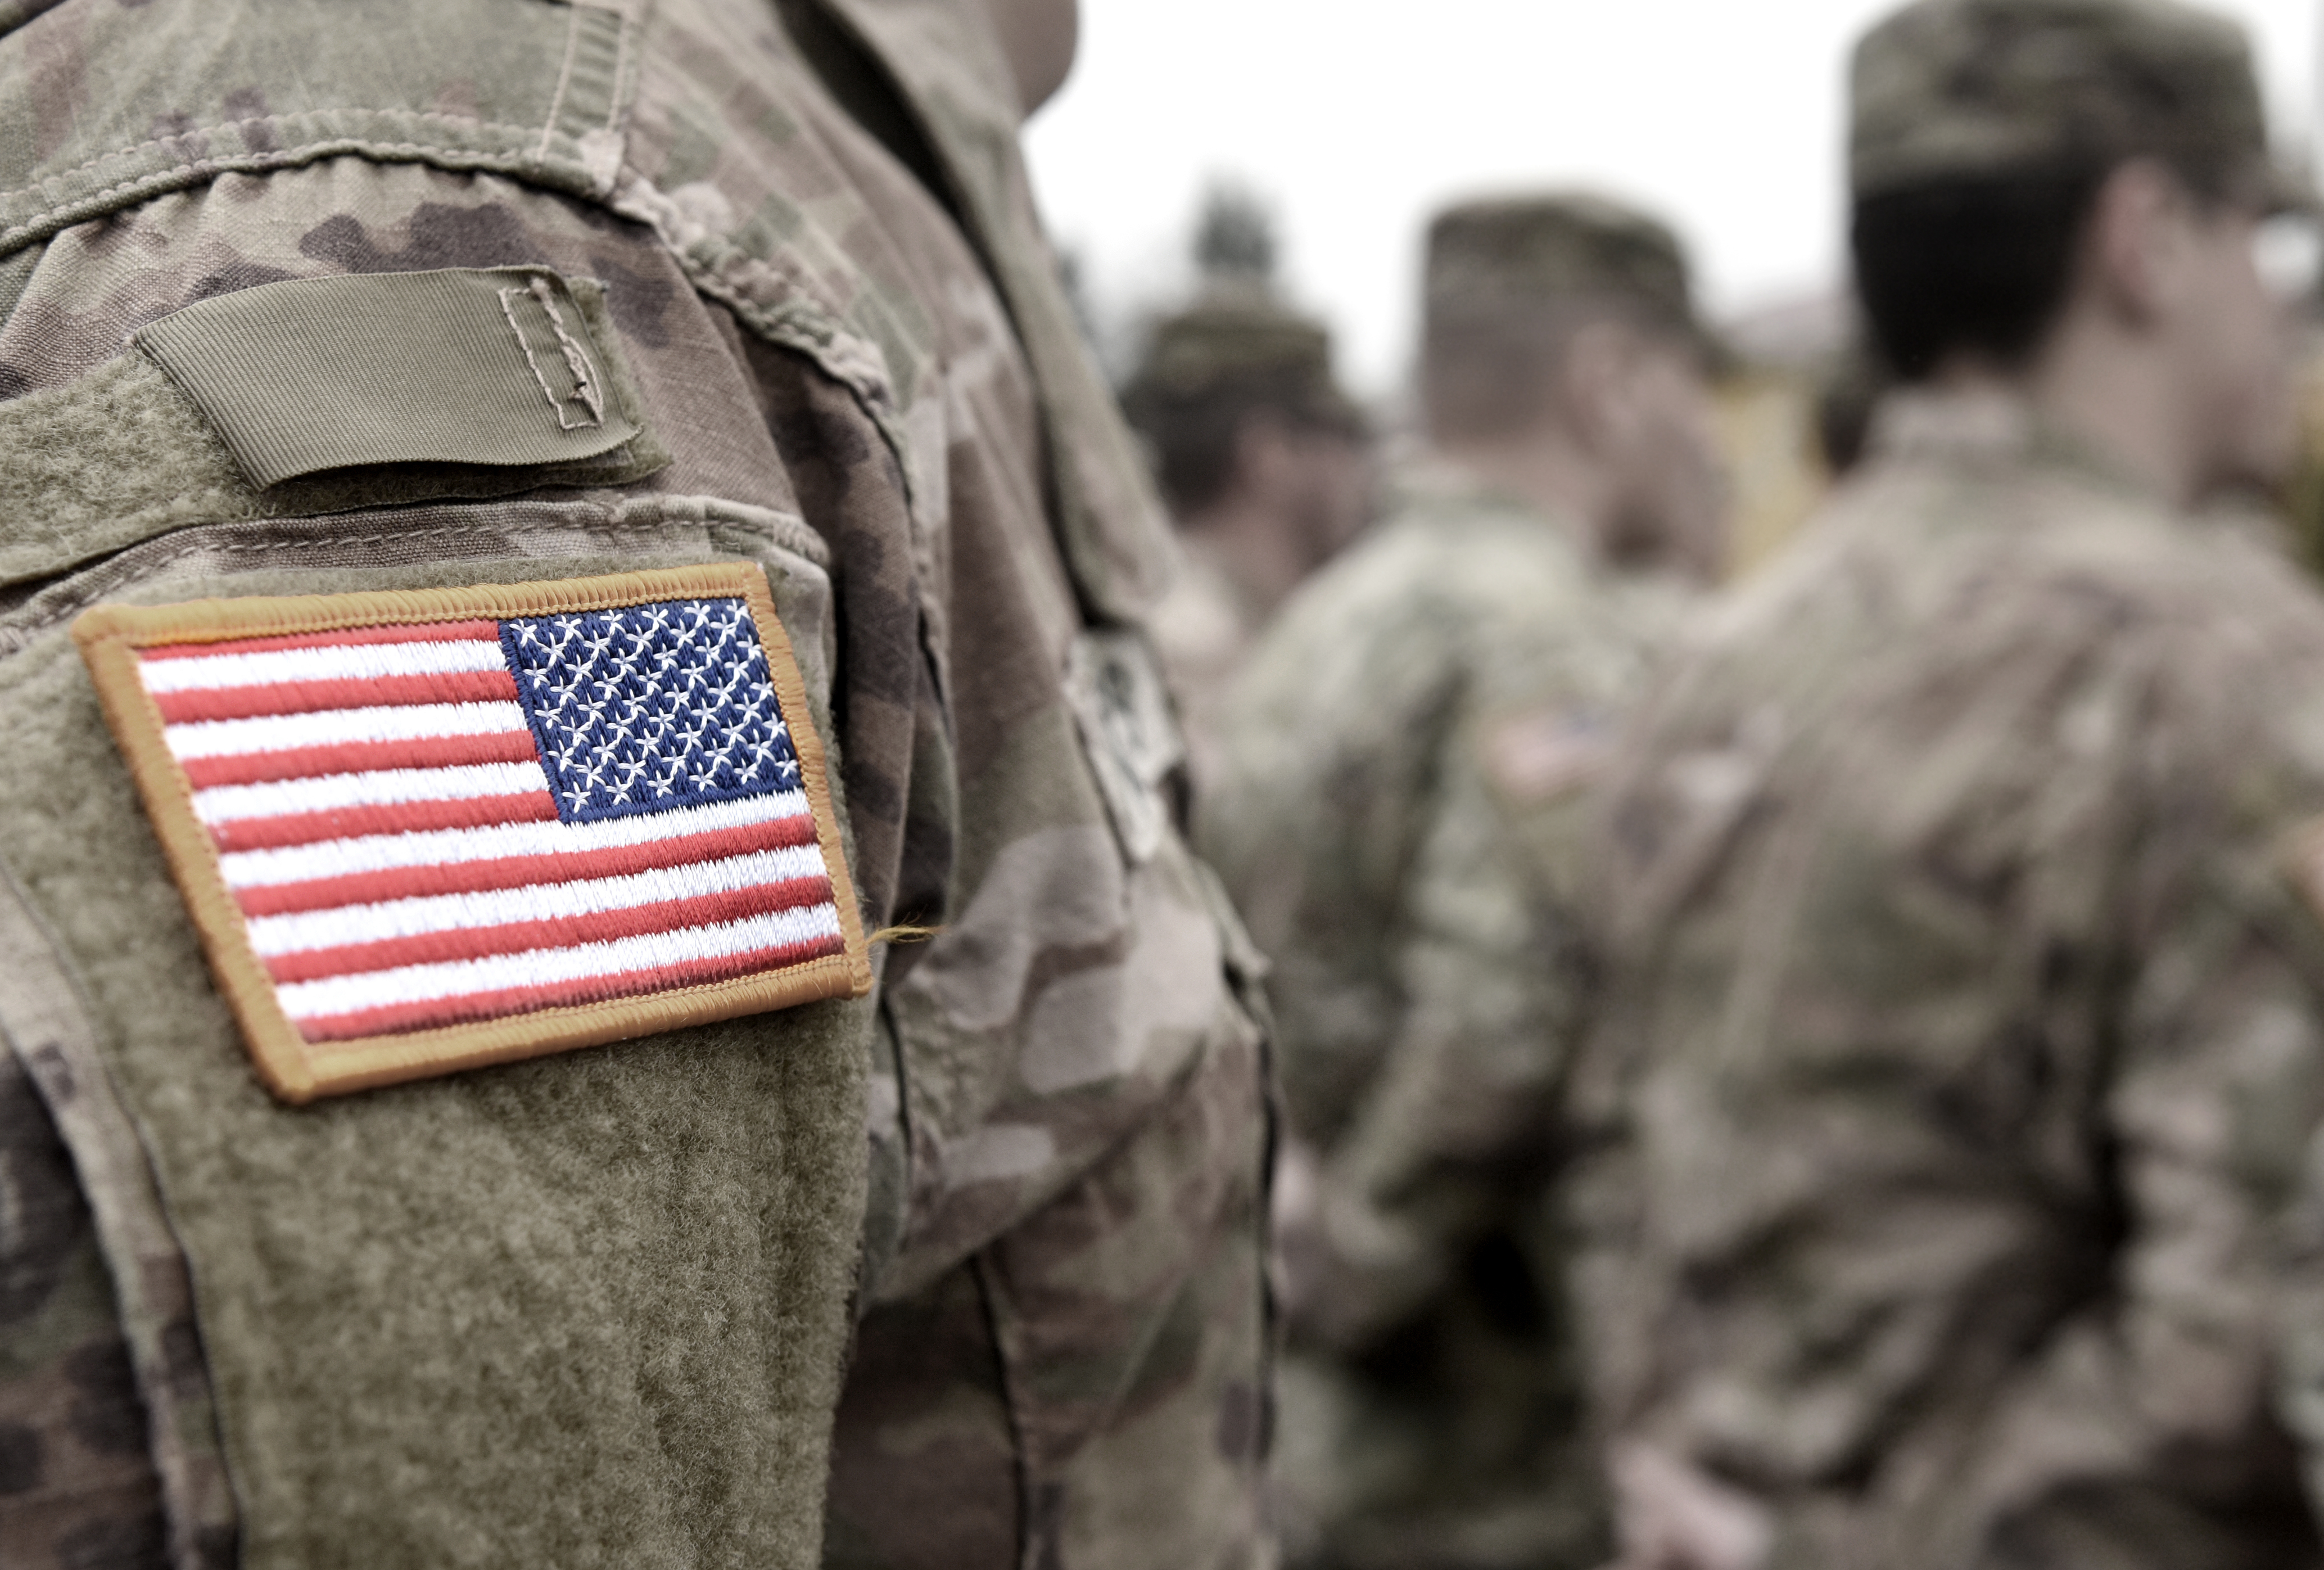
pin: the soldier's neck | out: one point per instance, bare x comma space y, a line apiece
1546, 472
2105, 391
1261, 551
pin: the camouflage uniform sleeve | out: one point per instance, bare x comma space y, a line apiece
1364, 823
882, 400
1329, 745
109, 1452
1458, 1133
2275, 1114
75, 1485
2158, 1412
1461, 1108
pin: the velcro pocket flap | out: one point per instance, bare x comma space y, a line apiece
491, 366
318, 396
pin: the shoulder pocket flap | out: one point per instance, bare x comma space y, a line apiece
494, 367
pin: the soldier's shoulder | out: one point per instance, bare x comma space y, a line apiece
1468, 573
2212, 598
1491, 548
1364, 598
2036, 611
2046, 550
1204, 617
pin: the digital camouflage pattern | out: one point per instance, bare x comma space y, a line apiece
1393, 811
1962, 1040
822, 264
1976, 88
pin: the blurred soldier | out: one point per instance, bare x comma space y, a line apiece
546, 542
1965, 1032
1397, 766
1262, 458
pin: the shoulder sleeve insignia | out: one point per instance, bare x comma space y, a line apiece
1542, 753
427, 831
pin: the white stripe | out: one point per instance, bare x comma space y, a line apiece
389, 919
458, 978
331, 727
381, 852
378, 787
329, 663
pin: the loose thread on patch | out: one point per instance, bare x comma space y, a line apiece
904, 933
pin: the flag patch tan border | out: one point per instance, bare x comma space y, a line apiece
428, 830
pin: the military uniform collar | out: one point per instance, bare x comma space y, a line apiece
1991, 426
1433, 482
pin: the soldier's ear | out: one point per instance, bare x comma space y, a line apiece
2136, 245
1596, 379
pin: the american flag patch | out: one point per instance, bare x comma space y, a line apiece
425, 831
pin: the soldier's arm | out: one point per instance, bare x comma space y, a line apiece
1443, 1143
1333, 738
73, 1461
2160, 1411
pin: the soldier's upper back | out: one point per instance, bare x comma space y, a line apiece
1897, 851
1376, 692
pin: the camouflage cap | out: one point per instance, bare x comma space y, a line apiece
1946, 88
1226, 345
1516, 253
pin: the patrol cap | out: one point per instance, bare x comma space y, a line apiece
1509, 254
1946, 89
1226, 347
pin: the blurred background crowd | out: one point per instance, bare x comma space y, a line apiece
1735, 136
1471, 376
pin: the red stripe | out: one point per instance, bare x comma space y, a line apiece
217, 703
246, 834
553, 932
360, 757
433, 633
516, 871
398, 1018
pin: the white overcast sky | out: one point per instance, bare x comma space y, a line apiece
1355, 119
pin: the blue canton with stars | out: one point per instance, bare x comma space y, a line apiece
650, 708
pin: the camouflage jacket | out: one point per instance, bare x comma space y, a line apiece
594, 1309
1399, 768
1962, 1042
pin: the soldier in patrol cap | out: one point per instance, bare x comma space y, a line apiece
1264, 461
1951, 1116
521, 574
1398, 766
